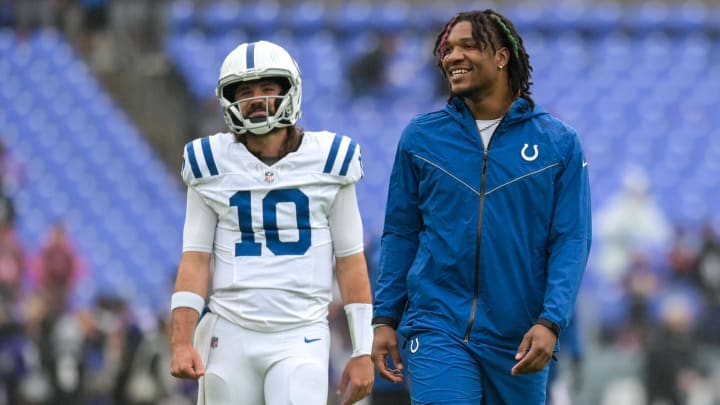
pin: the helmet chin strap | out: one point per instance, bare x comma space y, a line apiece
264, 130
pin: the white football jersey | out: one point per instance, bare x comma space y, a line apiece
272, 252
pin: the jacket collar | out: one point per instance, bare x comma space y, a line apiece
519, 111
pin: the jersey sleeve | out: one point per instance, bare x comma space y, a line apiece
344, 160
345, 223
198, 161
200, 224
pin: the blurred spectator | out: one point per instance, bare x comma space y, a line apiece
641, 284
12, 365
111, 342
63, 356
96, 42
58, 268
95, 15
707, 264
148, 379
7, 208
570, 356
367, 73
35, 386
681, 256
670, 368
12, 266
707, 273
629, 223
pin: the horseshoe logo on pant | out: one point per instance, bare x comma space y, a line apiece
414, 345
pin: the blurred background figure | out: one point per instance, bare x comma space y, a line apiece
631, 223
13, 368
706, 272
565, 379
58, 268
109, 346
368, 72
96, 42
12, 265
671, 367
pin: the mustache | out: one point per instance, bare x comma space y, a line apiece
258, 107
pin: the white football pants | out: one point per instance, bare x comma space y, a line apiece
245, 367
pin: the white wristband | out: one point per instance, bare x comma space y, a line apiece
359, 317
187, 299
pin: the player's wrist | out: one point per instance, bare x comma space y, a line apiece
359, 316
384, 321
178, 344
187, 299
555, 328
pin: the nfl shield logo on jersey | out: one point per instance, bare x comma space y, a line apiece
269, 176
214, 342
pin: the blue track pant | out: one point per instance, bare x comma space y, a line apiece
445, 370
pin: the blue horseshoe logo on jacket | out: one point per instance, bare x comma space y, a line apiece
525, 156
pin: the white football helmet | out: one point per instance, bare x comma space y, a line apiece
258, 60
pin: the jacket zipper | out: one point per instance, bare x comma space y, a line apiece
478, 242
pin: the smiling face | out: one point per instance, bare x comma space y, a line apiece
473, 70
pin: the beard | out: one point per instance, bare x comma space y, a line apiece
468, 92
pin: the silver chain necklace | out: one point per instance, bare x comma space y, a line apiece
492, 124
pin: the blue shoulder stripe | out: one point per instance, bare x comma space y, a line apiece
207, 153
348, 158
333, 154
193, 160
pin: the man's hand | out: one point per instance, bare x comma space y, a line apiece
384, 344
186, 362
359, 375
535, 350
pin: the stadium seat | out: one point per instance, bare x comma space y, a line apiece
307, 16
390, 17
80, 164
602, 18
220, 17
352, 17
181, 16
690, 17
262, 17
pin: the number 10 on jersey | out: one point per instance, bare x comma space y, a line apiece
247, 246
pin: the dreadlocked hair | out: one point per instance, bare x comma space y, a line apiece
491, 29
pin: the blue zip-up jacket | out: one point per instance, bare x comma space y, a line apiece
481, 243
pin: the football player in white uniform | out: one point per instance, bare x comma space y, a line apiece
271, 210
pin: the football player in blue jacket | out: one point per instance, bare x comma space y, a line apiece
487, 230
